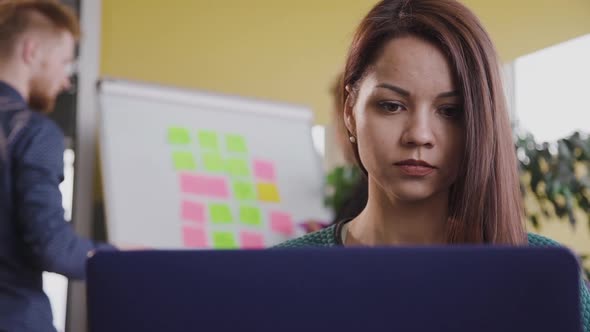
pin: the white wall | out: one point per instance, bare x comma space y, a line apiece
552, 87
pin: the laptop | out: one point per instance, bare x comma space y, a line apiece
336, 289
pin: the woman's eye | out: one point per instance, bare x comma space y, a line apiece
391, 107
450, 111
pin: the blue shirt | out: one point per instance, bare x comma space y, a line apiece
34, 236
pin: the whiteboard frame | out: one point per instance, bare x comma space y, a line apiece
184, 96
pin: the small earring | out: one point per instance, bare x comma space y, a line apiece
352, 139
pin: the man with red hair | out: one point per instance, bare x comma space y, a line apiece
37, 46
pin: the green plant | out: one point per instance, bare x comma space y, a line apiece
559, 178
340, 183
558, 175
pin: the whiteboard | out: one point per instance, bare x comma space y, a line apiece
190, 169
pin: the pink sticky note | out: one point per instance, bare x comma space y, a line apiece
204, 185
264, 170
193, 211
193, 184
250, 240
281, 223
218, 187
194, 237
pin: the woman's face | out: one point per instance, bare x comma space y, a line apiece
408, 121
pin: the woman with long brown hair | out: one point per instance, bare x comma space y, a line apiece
427, 120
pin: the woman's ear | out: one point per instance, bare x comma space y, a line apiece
349, 119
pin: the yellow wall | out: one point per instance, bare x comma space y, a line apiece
519, 27
286, 50
272, 49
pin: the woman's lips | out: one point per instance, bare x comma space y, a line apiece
415, 167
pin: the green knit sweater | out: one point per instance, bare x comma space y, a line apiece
330, 237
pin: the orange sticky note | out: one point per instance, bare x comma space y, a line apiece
268, 192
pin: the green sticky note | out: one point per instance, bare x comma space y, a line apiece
237, 167
184, 161
250, 215
178, 135
236, 143
213, 162
208, 140
224, 240
220, 213
244, 191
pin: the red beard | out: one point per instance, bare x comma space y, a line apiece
42, 102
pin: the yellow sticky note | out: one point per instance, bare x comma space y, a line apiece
268, 192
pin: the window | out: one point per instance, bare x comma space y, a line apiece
552, 87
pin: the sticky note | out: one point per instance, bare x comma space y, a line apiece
236, 143
281, 223
224, 240
250, 215
244, 191
184, 161
208, 140
193, 211
178, 135
220, 213
237, 167
194, 237
264, 170
213, 162
216, 187
268, 192
251, 240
